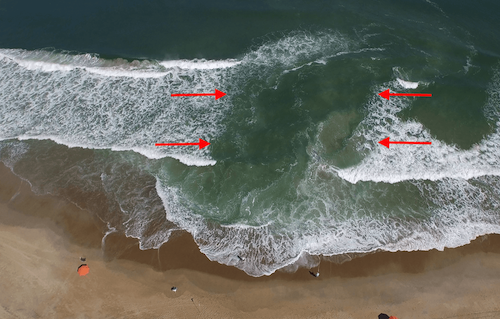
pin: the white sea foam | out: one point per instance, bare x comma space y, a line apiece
126, 73
11, 155
324, 60
299, 46
44, 66
193, 161
152, 153
407, 84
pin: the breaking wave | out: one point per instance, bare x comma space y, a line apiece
82, 100
419, 162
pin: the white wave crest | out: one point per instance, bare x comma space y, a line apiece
47, 61
201, 64
407, 84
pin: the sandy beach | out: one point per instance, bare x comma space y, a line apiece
43, 238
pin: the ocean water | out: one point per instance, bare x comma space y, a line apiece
294, 169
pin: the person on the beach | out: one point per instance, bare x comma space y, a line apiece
384, 316
314, 274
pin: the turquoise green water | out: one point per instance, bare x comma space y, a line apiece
294, 167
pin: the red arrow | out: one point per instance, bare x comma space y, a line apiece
201, 143
386, 94
386, 142
218, 94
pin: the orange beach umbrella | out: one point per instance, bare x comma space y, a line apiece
83, 270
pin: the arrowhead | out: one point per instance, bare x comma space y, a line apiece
385, 95
219, 94
385, 141
203, 144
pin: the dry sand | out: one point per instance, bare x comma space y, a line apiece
42, 239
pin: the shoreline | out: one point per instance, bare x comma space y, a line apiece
49, 235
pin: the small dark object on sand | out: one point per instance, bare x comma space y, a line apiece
383, 316
314, 274
83, 258
174, 289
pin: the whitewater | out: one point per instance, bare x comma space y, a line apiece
401, 198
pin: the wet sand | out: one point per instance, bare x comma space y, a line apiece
42, 239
